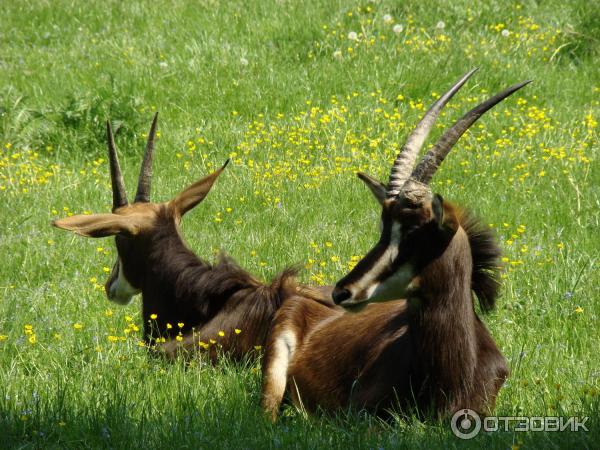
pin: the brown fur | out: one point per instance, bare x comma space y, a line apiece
429, 352
187, 304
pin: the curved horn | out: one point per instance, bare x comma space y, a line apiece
432, 160
116, 179
143, 190
406, 159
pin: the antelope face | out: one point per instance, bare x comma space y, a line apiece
412, 235
126, 278
416, 225
118, 289
137, 227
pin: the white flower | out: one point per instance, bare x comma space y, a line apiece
337, 54
505, 33
398, 28
387, 18
163, 64
243, 61
440, 25
353, 36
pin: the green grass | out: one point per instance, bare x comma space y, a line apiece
298, 120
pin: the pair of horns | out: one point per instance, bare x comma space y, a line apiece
118, 186
402, 176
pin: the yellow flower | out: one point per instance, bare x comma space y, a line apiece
3, 337
32, 339
112, 338
579, 310
108, 313
180, 324
257, 347
169, 326
212, 341
179, 338
153, 316
237, 331
221, 333
77, 326
204, 345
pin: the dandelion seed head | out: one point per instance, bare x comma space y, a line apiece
398, 28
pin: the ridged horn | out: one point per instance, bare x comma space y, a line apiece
143, 190
116, 179
403, 165
432, 160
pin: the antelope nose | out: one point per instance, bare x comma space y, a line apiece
340, 294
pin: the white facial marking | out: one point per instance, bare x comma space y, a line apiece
120, 291
392, 287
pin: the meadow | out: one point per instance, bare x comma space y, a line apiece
300, 95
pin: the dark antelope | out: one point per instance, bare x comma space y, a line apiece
217, 304
428, 352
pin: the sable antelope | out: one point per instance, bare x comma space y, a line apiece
213, 302
428, 352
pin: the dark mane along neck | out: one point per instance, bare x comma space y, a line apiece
182, 288
485, 254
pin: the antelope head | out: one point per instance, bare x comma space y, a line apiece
135, 226
416, 225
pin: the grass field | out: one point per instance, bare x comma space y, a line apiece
300, 95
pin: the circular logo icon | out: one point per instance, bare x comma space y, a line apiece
465, 424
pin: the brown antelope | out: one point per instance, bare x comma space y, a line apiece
428, 352
183, 298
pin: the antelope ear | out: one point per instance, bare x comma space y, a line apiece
437, 207
444, 215
194, 194
99, 225
378, 189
